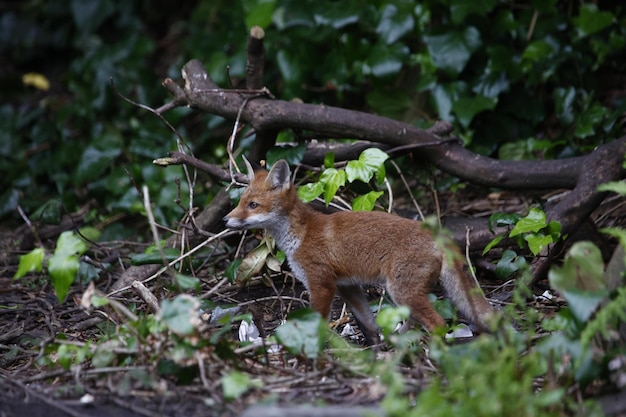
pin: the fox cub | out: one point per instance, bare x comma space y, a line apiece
337, 253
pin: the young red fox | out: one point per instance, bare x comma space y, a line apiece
337, 253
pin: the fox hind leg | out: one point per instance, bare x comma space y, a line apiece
354, 297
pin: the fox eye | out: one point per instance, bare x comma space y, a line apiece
252, 205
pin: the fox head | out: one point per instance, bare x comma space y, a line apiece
266, 201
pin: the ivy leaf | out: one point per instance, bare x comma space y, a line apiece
580, 279
337, 15
62, 268
503, 219
373, 158
304, 333
591, 20
366, 202
618, 187
181, 315
329, 160
459, 10
564, 102
231, 271
64, 263
537, 242
534, 221
186, 282
509, 263
394, 24
466, 108
385, 60
32, 261
93, 162
309, 192
258, 12
292, 154
235, 384
445, 95
588, 120
332, 179
491, 84
452, 50
357, 170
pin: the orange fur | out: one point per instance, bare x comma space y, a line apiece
339, 252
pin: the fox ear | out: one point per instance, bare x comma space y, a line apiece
280, 175
249, 168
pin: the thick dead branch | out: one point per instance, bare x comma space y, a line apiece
580, 174
266, 114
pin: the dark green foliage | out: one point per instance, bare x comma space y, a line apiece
518, 79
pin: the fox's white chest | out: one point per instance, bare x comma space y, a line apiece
289, 243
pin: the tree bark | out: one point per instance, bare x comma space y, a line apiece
580, 174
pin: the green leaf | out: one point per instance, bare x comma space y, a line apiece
103, 356
618, 187
181, 315
445, 95
258, 12
366, 202
62, 268
357, 170
394, 23
466, 108
64, 263
503, 219
292, 154
154, 257
373, 158
564, 99
236, 383
309, 192
537, 51
98, 301
390, 317
452, 50
304, 333
491, 84
493, 243
231, 270
93, 163
32, 261
554, 230
49, 212
186, 282
587, 121
591, 20
337, 15
537, 242
90, 233
580, 279
90, 14
509, 263
385, 60
329, 160
332, 180
459, 10
534, 221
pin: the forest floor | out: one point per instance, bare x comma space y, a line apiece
33, 381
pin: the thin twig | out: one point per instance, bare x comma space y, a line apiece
406, 185
181, 257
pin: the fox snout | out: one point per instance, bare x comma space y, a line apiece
232, 223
